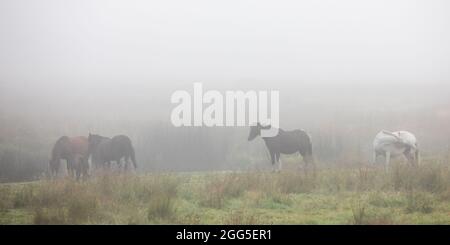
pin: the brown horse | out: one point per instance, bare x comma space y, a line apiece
75, 151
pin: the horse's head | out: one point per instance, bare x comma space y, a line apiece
255, 131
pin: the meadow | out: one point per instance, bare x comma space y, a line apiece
362, 195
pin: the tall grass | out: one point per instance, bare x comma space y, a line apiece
69, 202
233, 197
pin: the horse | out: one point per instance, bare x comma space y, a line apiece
105, 150
392, 144
75, 151
285, 142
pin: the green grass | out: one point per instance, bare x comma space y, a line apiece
352, 195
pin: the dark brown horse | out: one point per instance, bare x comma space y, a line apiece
285, 142
106, 150
75, 151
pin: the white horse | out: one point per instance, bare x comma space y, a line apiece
392, 144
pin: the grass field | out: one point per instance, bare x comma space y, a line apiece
353, 195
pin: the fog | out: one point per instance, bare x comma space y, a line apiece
345, 70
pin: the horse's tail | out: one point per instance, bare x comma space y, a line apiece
309, 154
309, 148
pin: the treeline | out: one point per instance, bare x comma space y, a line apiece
339, 137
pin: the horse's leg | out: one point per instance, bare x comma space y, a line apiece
76, 167
417, 157
119, 164
410, 156
272, 158
82, 167
414, 156
85, 167
280, 164
127, 162
52, 166
299, 167
124, 164
58, 164
73, 167
78, 173
130, 160
306, 166
374, 160
86, 171
305, 160
69, 167
388, 159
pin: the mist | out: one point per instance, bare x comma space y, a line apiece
345, 70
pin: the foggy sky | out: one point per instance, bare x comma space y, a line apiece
138, 52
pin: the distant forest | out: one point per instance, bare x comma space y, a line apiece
341, 136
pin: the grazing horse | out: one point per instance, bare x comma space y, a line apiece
392, 144
285, 142
75, 151
105, 150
